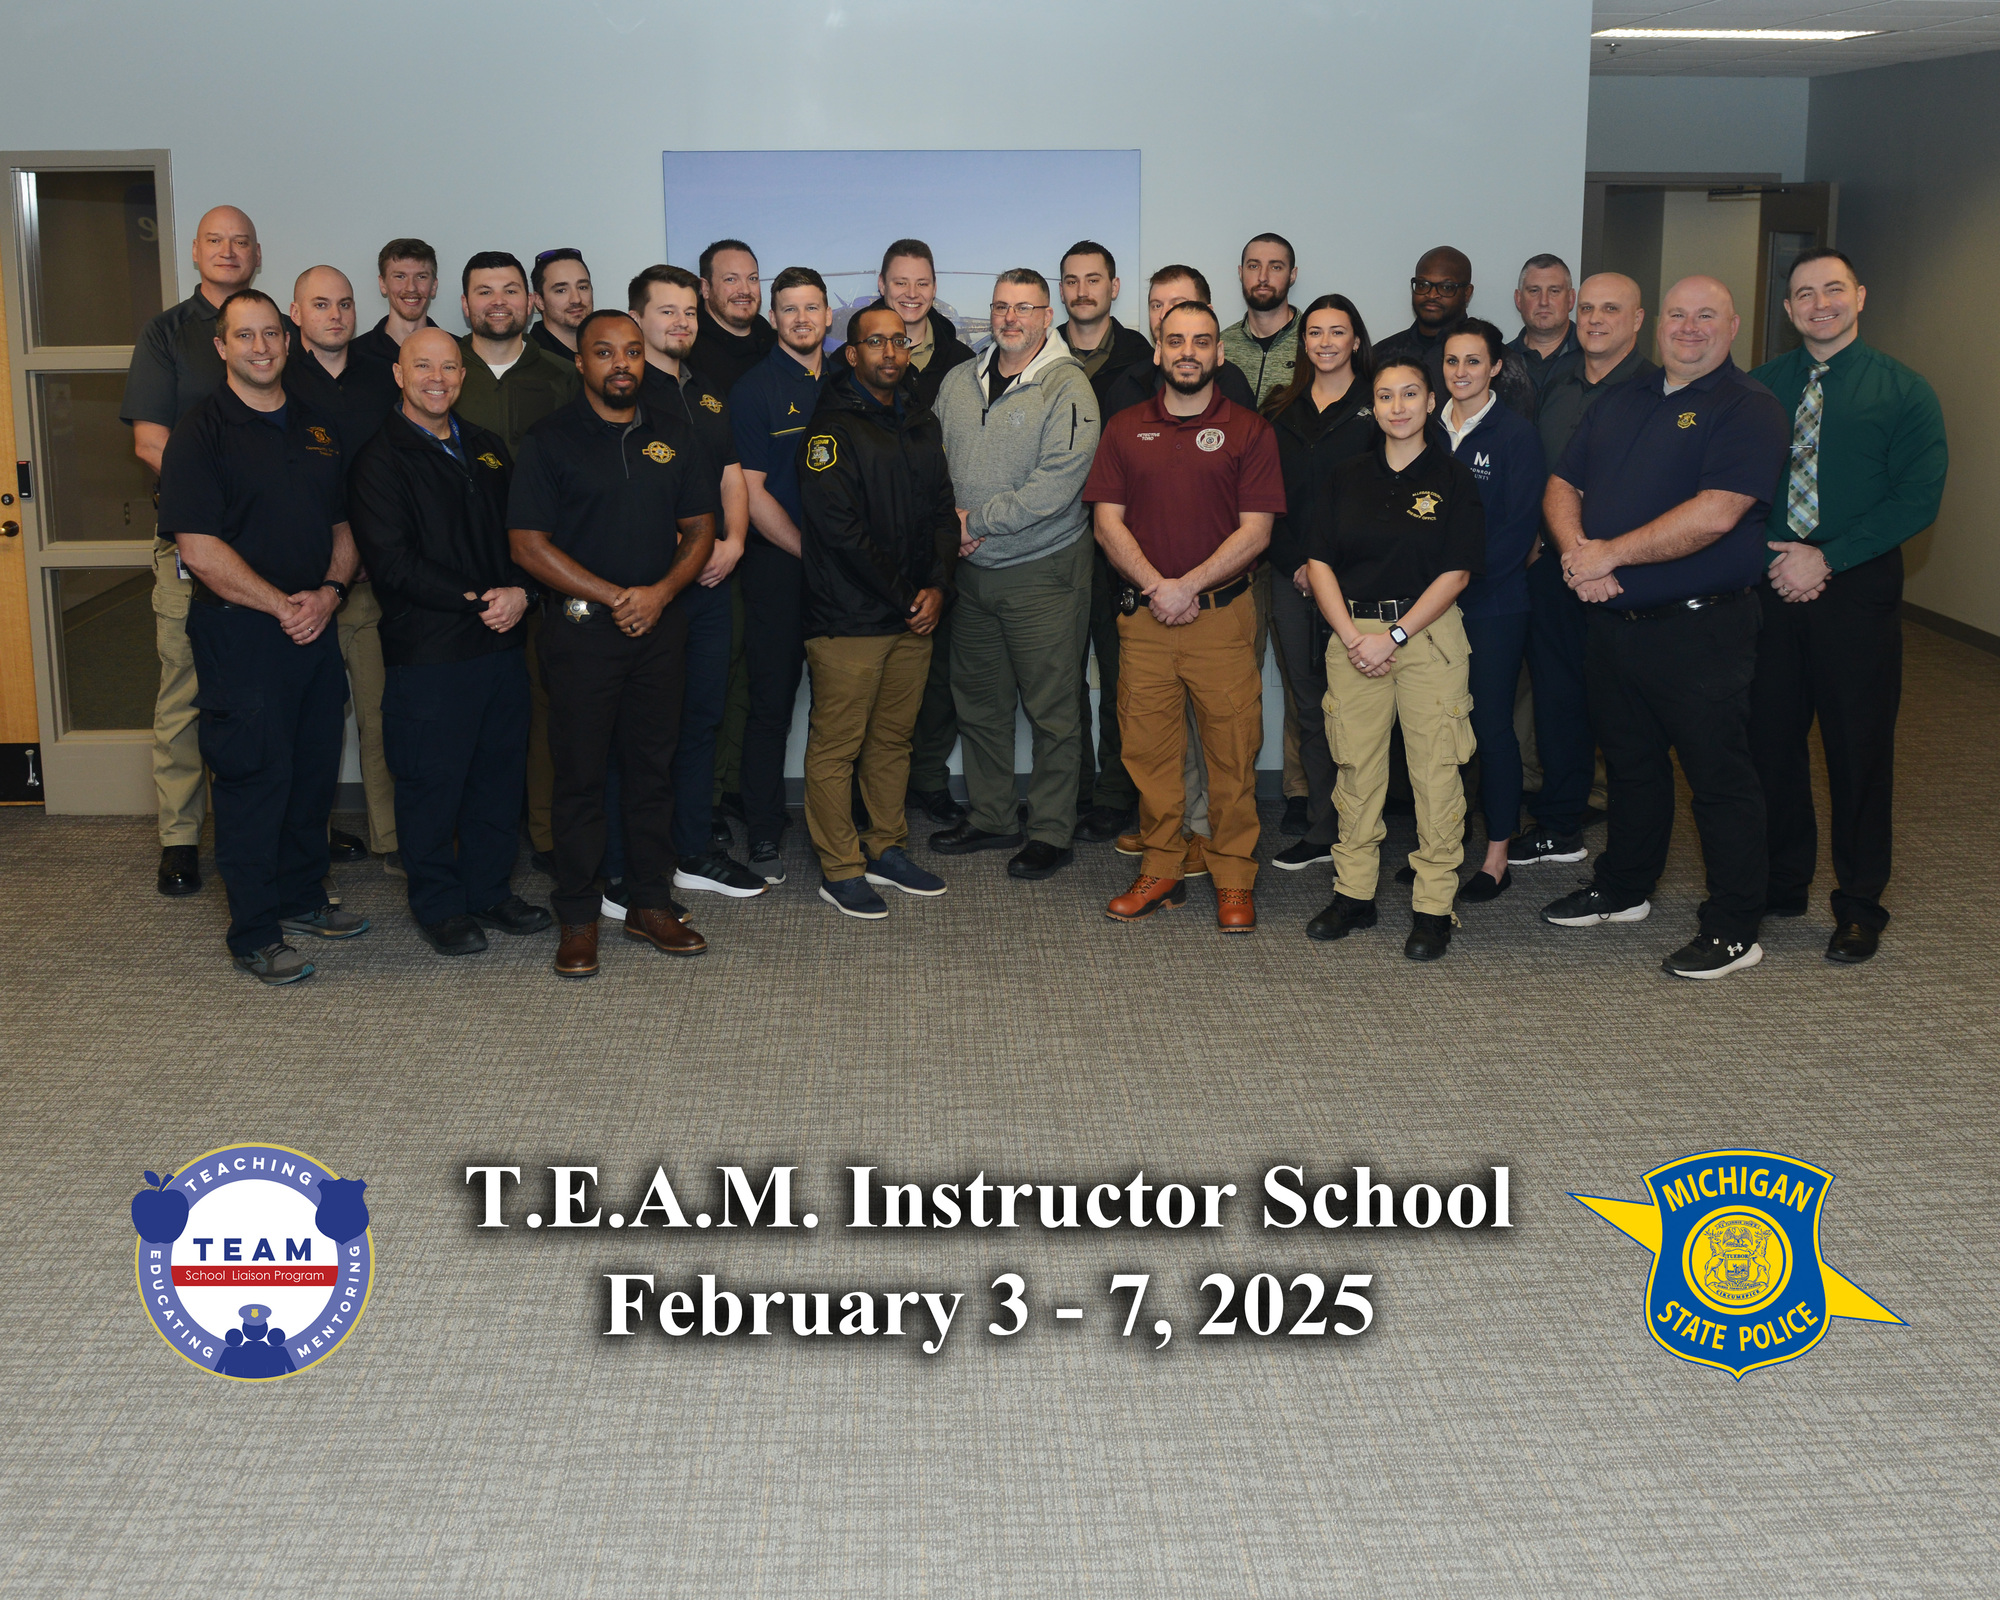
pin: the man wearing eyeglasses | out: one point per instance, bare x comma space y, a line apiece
1440, 294
1020, 429
561, 285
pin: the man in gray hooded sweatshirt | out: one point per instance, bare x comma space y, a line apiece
1020, 430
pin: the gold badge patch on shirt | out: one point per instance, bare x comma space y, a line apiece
486, 458
318, 435
658, 452
1685, 419
1209, 439
1425, 506
712, 403
821, 451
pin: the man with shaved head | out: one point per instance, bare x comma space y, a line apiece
1440, 294
174, 368
1608, 318
1658, 507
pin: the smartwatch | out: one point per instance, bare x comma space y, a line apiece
1396, 632
336, 586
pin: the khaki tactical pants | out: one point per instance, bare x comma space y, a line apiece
361, 649
865, 695
1425, 691
178, 778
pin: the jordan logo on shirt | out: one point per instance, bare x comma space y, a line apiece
791, 410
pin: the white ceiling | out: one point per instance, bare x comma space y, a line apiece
1911, 30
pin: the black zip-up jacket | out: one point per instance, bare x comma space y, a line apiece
1311, 444
880, 517
1128, 346
431, 527
947, 351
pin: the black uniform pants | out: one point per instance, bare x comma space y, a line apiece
456, 737
774, 659
1105, 782
1301, 635
1679, 684
1839, 658
1563, 743
608, 690
270, 734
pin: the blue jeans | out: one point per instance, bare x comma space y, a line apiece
1497, 647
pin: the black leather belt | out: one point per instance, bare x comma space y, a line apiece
1380, 610
1674, 608
578, 611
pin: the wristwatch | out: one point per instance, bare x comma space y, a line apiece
336, 586
1396, 632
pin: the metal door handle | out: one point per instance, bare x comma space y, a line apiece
9, 530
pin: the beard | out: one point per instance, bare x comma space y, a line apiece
486, 328
1181, 385
1264, 297
677, 349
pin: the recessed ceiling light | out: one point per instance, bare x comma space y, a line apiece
1809, 35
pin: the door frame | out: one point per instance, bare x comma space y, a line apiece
96, 772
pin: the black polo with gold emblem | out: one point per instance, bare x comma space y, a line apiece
1388, 534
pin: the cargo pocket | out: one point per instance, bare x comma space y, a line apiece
1330, 709
1456, 740
234, 740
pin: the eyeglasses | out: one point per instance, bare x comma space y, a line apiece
1026, 308
875, 341
1448, 289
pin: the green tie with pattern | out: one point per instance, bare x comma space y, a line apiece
1802, 493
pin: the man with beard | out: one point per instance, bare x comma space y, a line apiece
1185, 488
1441, 293
734, 336
1265, 343
612, 514
1020, 428
406, 273
561, 285
511, 383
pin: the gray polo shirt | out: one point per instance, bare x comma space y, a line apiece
174, 365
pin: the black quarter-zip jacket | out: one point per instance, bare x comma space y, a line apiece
432, 526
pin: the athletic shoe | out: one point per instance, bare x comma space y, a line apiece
765, 860
717, 873
613, 903
893, 869
329, 922
1590, 905
276, 963
853, 897
1295, 857
1527, 850
1709, 955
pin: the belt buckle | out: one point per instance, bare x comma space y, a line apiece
577, 610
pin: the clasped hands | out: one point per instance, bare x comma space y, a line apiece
1587, 569
304, 615
1371, 654
1800, 572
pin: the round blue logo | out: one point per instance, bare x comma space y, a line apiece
254, 1261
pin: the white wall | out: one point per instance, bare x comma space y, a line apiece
1698, 125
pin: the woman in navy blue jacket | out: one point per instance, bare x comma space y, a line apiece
1504, 453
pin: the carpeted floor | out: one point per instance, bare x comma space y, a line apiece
1507, 1427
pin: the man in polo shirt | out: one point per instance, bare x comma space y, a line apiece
769, 410
1265, 343
1544, 297
613, 515
1658, 509
406, 274
731, 328
174, 366
563, 298
1441, 293
1866, 475
1184, 490
253, 490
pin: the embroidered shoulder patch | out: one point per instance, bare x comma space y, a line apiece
822, 451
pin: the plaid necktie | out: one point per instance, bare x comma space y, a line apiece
1802, 493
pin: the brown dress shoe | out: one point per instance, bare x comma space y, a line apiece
576, 951
663, 930
1196, 864
1235, 910
1130, 844
1146, 896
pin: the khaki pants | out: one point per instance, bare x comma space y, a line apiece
865, 695
178, 778
1161, 671
1295, 773
1425, 691
361, 649
541, 770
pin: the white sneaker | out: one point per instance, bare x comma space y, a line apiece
612, 908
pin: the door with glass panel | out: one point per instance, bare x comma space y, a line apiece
87, 260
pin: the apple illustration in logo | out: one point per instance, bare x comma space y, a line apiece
159, 1213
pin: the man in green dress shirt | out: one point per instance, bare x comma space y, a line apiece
1866, 473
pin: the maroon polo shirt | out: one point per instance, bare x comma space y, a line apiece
1186, 481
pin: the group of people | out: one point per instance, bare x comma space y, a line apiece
569, 568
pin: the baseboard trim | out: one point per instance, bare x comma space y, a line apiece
1952, 628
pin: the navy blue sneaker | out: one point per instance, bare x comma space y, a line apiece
853, 897
895, 870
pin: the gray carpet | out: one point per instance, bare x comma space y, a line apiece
1507, 1427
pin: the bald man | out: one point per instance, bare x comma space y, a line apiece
1440, 294
1657, 507
341, 378
175, 366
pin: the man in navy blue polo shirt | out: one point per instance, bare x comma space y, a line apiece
769, 410
1658, 506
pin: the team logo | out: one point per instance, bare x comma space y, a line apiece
658, 452
1425, 506
1685, 420
258, 1223
821, 451
712, 403
1737, 1279
487, 458
1208, 439
318, 435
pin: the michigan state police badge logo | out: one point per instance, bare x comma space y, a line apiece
1737, 1279
253, 1261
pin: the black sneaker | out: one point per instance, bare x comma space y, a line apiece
717, 873
765, 860
1590, 905
1102, 824
1294, 857
1527, 850
276, 963
1295, 820
1709, 955
1341, 918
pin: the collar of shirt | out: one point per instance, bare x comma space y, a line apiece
1426, 461
1520, 346
926, 347
1455, 434
453, 447
1708, 380
1160, 413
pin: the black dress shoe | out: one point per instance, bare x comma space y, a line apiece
729, 804
455, 936
513, 915
180, 870
344, 847
1852, 942
1295, 821
1341, 918
965, 838
1481, 887
937, 804
1102, 824
542, 861
1430, 936
719, 836
1406, 874
1038, 860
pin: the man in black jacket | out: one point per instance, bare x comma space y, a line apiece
428, 499
880, 524
1441, 295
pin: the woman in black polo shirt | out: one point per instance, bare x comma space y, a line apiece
1395, 541
1322, 418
